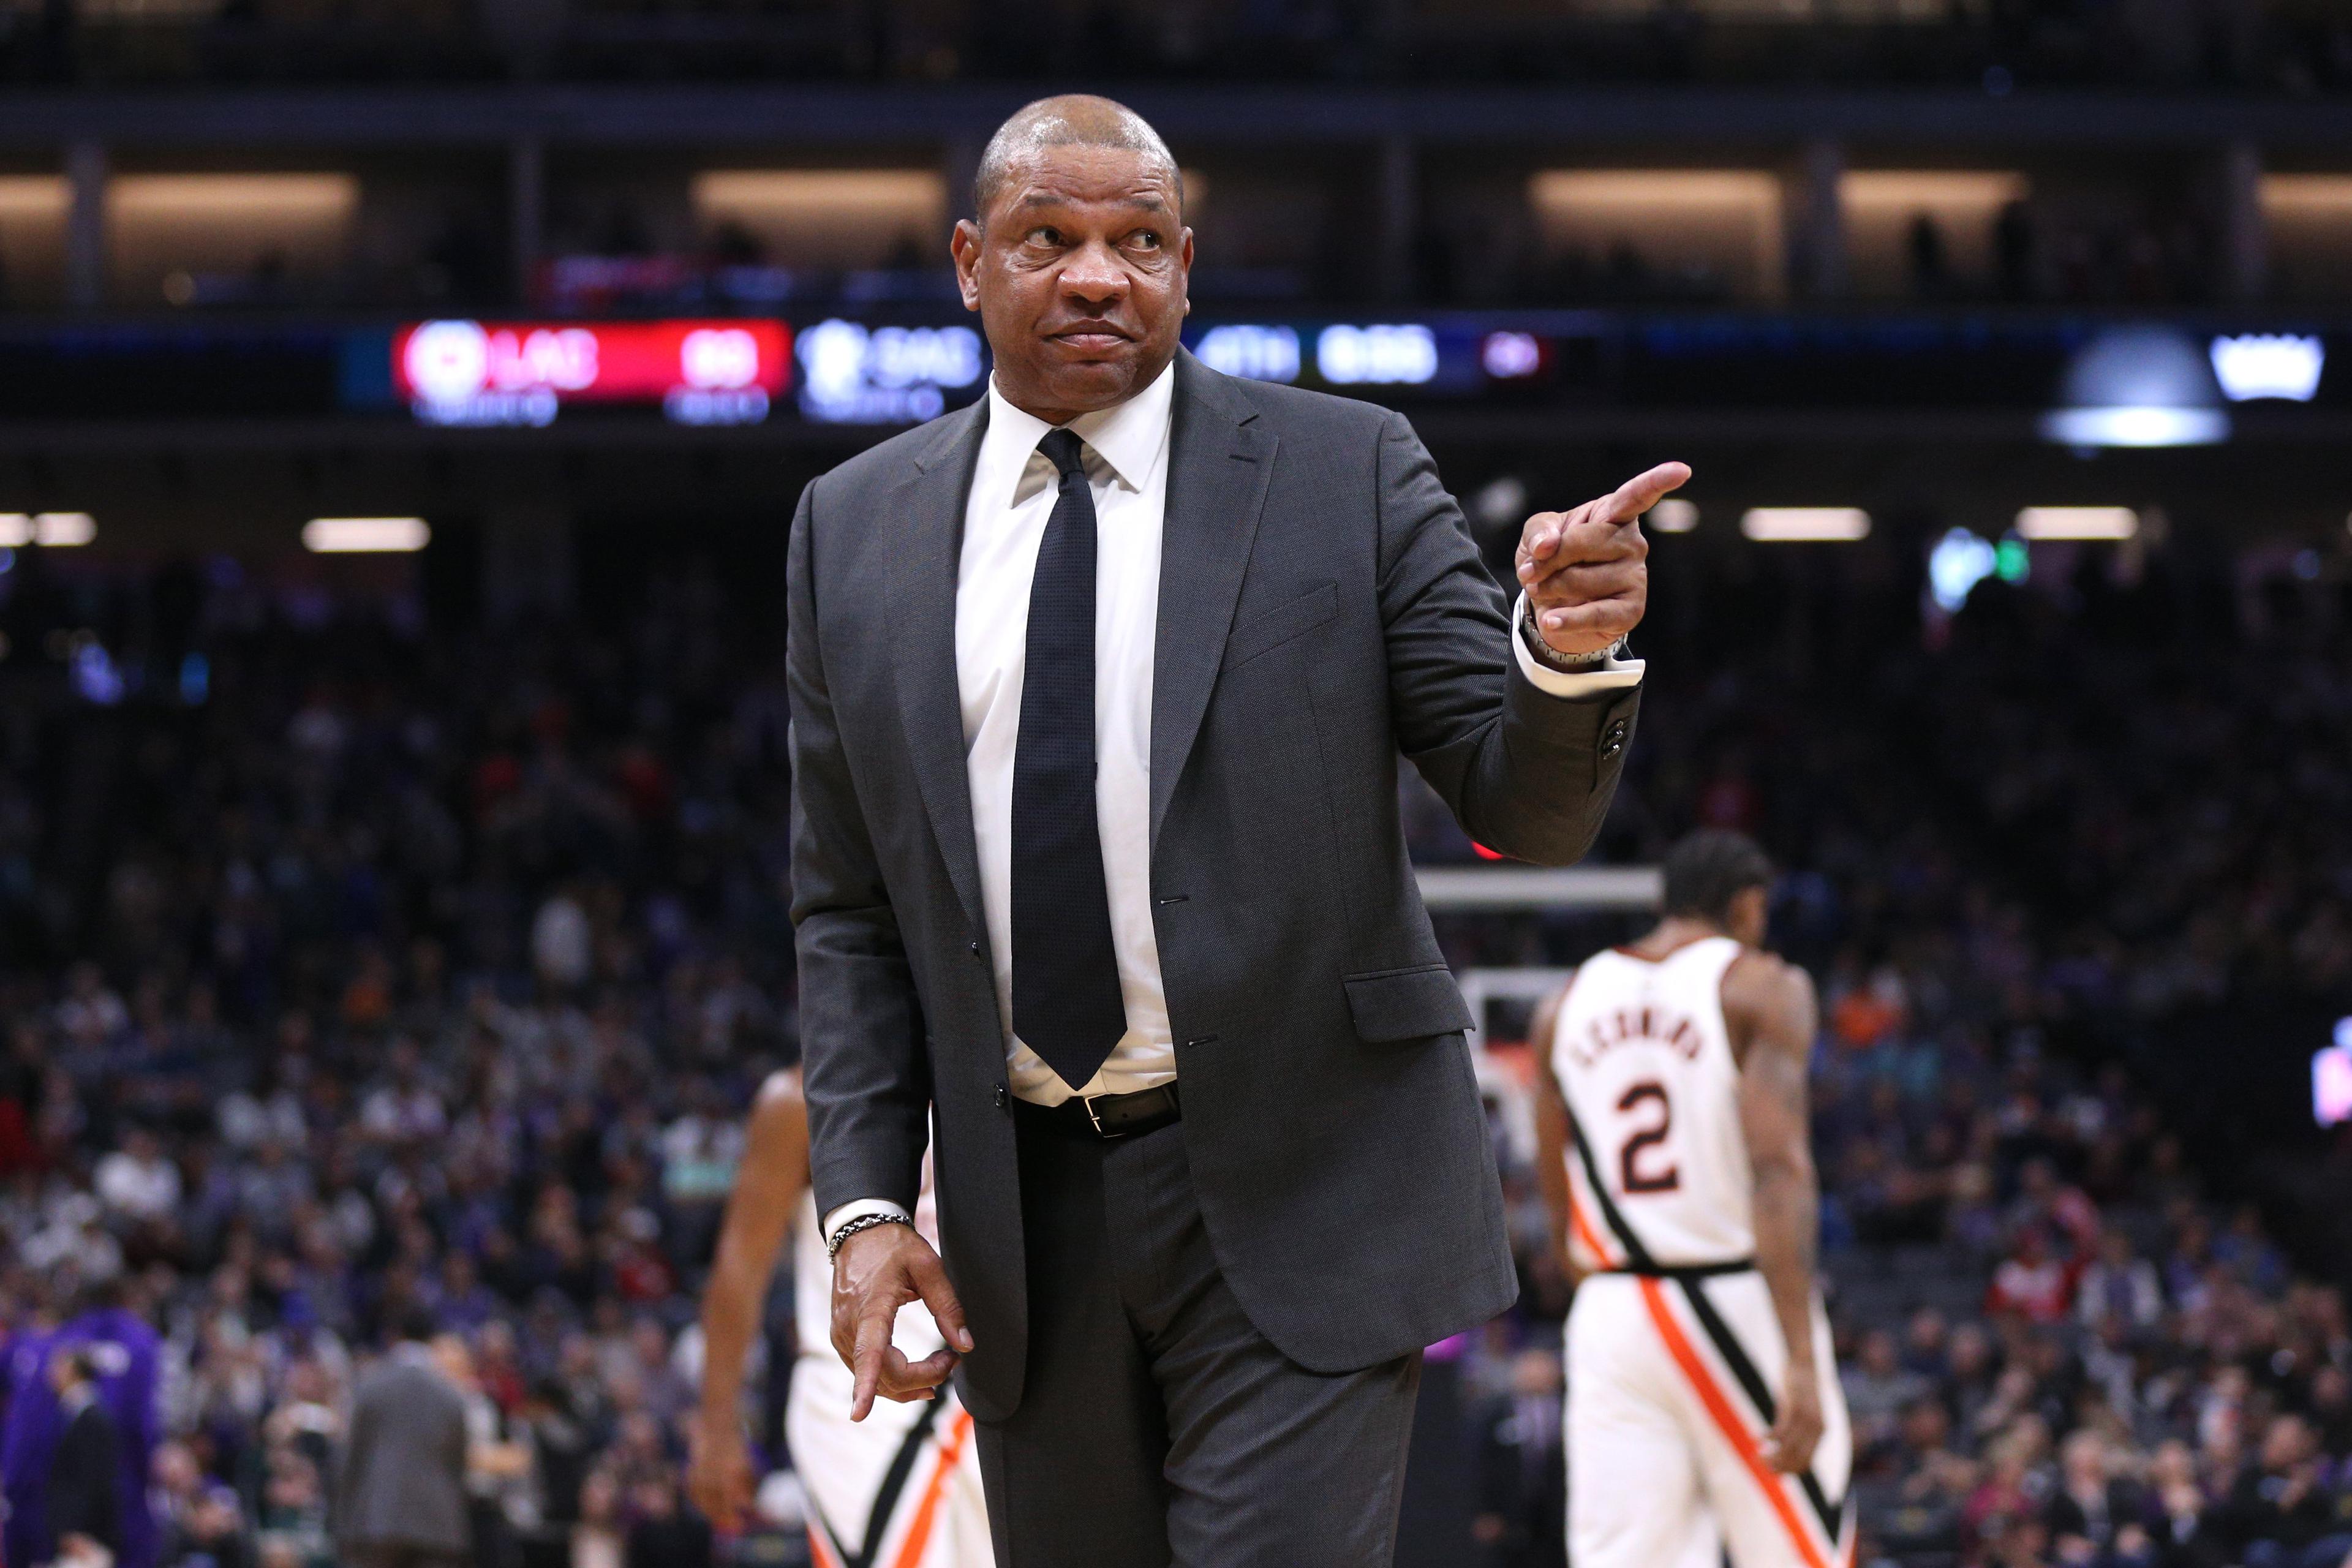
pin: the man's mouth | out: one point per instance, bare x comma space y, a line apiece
1091, 337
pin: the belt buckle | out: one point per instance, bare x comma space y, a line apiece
1093, 1116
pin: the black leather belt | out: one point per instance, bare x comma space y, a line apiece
1108, 1116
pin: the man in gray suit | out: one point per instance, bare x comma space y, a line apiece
1098, 688
400, 1494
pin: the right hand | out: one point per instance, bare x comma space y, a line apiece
877, 1272
719, 1470
1789, 1446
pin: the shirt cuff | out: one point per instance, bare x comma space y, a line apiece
858, 1208
1608, 674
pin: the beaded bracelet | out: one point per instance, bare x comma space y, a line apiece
863, 1222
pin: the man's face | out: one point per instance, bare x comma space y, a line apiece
2286, 1444
1078, 272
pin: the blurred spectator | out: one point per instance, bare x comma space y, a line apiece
665, 1535
401, 1493
2120, 1284
2090, 1505
2283, 1512
2030, 1282
1522, 1466
85, 1519
1879, 1387
136, 1181
116, 1354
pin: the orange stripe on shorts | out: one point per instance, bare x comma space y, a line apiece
918, 1533
1735, 1430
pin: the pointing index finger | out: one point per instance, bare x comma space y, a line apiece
1640, 493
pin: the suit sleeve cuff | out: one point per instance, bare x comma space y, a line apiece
1609, 675
857, 1208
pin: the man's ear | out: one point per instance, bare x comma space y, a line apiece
964, 245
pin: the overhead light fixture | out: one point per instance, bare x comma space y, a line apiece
2047, 522
2261, 364
1673, 515
2139, 387
2140, 426
364, 535
50, 530
1803, 524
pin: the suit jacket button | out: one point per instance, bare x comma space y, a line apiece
1002, 1094
975, 947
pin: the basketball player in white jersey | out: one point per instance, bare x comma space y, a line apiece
1703, 1413
900, 1489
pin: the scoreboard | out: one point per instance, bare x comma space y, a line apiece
898, 367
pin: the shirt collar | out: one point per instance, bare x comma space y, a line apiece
1128, 437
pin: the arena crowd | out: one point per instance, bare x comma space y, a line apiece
364, 967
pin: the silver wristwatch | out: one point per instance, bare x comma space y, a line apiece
1552, 659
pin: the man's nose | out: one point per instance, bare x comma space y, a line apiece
1094, 275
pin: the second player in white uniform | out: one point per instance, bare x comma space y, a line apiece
1671, 1118
899, 1490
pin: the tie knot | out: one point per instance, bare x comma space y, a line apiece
1062, 449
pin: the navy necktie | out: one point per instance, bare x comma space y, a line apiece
1065, 1001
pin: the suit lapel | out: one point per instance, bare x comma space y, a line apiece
930, 505
1218, 467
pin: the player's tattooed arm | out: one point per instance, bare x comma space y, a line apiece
1552, 1132
1771, 1010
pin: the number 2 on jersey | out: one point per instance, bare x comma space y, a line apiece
1632, 1177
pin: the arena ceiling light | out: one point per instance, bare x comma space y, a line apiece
2045, 522
2139, 387
1805, 524
51, 529
364, 535
1673, 515
2283, 365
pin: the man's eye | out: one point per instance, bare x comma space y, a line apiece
1045, 235
1146, 239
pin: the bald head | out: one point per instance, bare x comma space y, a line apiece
1070, 120
1078, 259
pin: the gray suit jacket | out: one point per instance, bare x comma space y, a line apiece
403, 1479
1321, 609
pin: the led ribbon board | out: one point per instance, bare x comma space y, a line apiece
522, 373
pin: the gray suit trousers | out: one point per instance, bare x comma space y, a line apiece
1158, 1427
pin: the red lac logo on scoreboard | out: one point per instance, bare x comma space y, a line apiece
522, 373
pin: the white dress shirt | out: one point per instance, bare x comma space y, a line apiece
1013, 488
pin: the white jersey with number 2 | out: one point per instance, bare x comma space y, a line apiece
1645, 1058
1674, 1353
